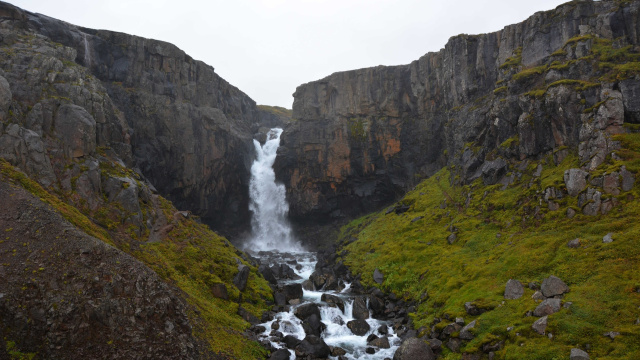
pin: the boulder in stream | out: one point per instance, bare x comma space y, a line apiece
359, 327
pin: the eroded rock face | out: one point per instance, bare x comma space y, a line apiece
184, 127
362, 137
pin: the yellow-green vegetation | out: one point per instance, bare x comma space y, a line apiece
578, 85
358, 129
190, 256
277, 110
528, 73
195, 258
500, 90
511, 234
15, 354
514, 60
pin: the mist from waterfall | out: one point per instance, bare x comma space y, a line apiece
270, 228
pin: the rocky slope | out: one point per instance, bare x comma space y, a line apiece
361, 138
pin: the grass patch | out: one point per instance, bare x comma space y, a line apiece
505, 234
530, 72
514, 60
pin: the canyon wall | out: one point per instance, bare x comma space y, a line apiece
360, 138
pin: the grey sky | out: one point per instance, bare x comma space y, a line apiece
268, 47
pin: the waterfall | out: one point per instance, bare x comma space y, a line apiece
271, 230
87, 53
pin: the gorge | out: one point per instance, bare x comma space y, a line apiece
479, 202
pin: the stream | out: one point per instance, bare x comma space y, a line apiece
320, 310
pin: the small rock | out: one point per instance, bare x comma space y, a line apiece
553, 286
567, 305
370, 350
575, 180
435, 344
538, 296
608, 238
378, 277
460, 321
454, 344
414, 348
540, 325
571, 213
577, 354
550, 336
452, 238
465, 333
382, 342
547, 307
513, 290
612, 334
574, 244
219, 290
240, 280
282, 354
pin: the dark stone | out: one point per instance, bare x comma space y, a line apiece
377, 305
308, 285
575, 180
358, 327
280, 299
473, 309
413, 349
313, 346
219, 290
370, 350
291, 341
267, 274
493, 171
360, 310
338, 351
452, 238
293, 291
553, 286
513, 290
282, 354
383, 329
628, 179
313, 325
247, 316
333, 300
465, 333
435, 344
240, 280
304, 311
454, 344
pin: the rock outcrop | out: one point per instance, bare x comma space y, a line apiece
360, 138
171, 117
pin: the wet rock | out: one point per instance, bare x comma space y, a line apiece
304, 311
540, 325
293, 291
308, 285
360, 310
267, 274
358, 327
291, 341
219, 290
412, 349
608, 238
553, 286
575, 180
313, 325
378, 277
465, 333
280, 298
282, 354
383, 329
577, 354
377, 305
337, 351
370, 350
382, 342
574, 244
513, 290
324, 279
334, 301
313, 346
240, 280
547, 307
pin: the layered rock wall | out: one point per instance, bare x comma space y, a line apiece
360, 138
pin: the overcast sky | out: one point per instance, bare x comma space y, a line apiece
269, 47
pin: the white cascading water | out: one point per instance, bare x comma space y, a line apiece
271, 230
87, 53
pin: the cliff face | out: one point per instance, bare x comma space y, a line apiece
362, 137
188, 130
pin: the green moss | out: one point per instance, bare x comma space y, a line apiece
530, 72
500, 90
514, 60
358, 129
514, 140
504, 234
15, 354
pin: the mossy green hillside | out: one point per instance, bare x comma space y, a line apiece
509, 233
190, 256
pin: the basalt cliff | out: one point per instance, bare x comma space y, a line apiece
361, 138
